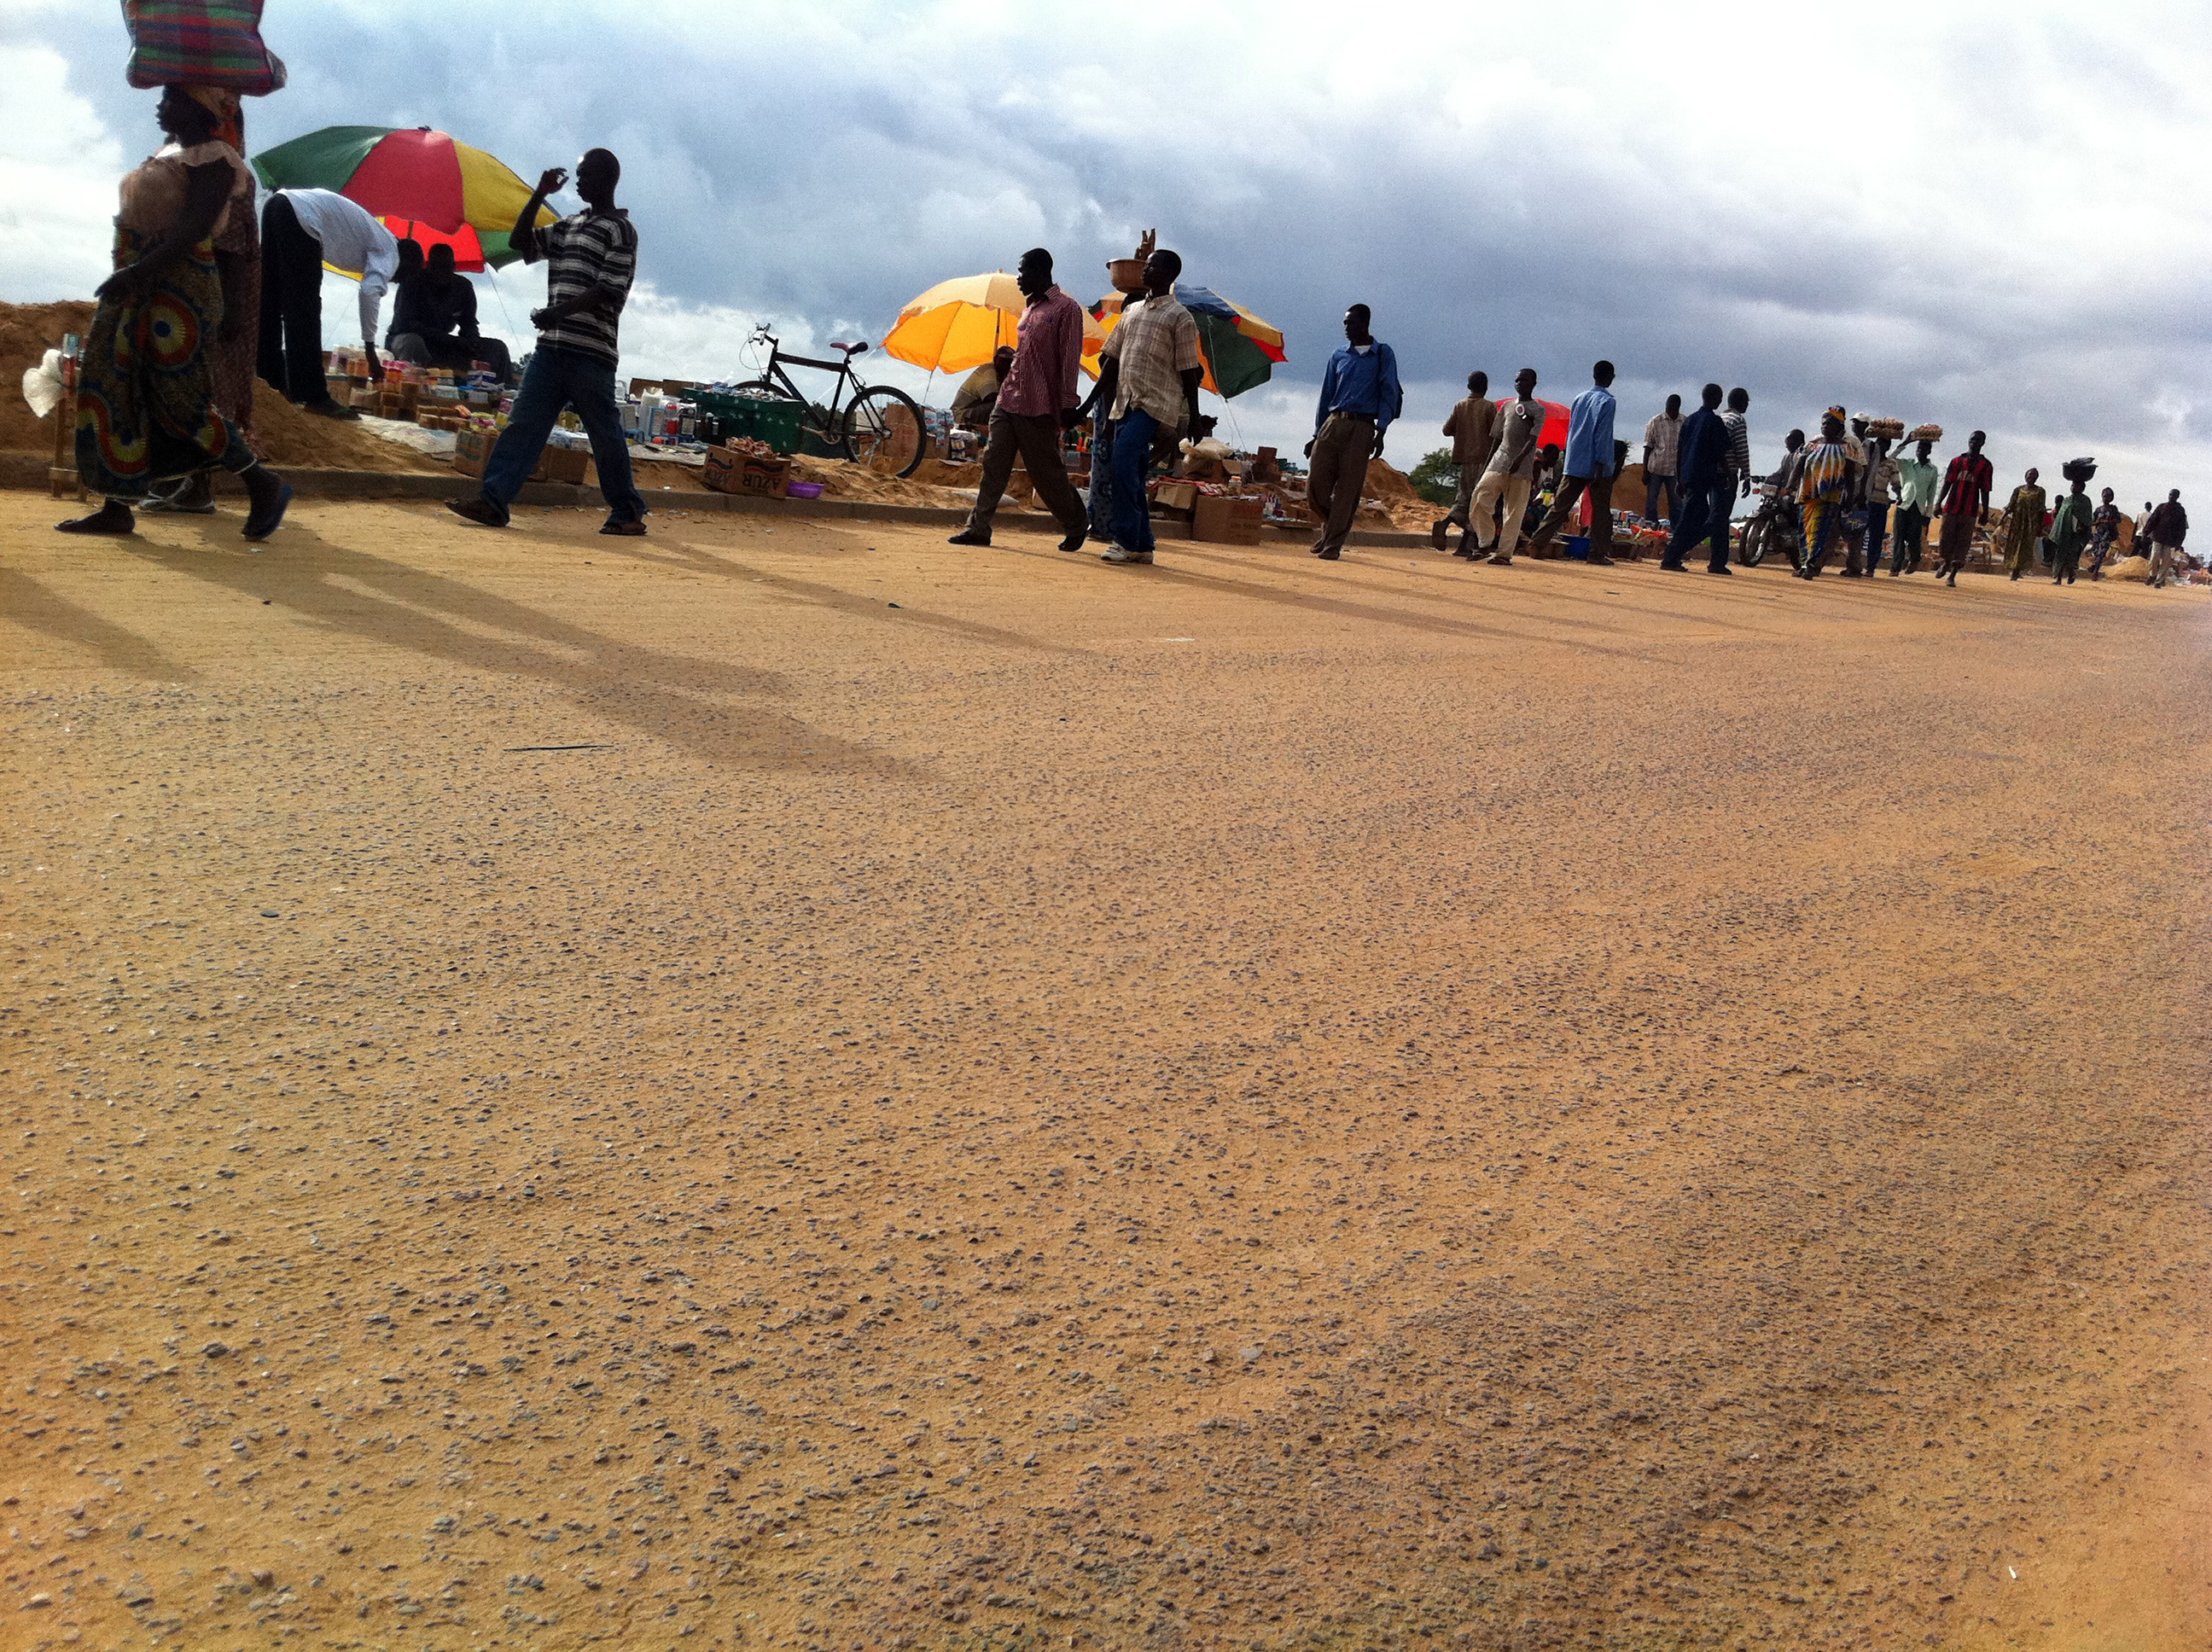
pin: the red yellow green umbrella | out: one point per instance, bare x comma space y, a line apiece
425, 184
1236, 348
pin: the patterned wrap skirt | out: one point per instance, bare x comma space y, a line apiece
145, 401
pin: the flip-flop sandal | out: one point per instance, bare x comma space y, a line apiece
161, 505
624, 530
261, 527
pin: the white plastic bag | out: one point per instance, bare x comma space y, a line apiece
42, 384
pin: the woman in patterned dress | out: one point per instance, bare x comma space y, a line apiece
147, 411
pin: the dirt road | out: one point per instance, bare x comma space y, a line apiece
792, 1086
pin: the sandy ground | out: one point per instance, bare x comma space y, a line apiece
791, 1086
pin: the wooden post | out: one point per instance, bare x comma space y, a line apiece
62, 478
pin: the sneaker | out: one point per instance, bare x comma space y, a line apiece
968, 536
1122, 554
479, 510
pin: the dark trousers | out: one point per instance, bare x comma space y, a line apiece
1338, 475
446, 350
557, 379
1912, 537
1877, 531
2065, 564
1600, 488
291, 353
1702, 516
1102, 474
1653, 487
1034, 438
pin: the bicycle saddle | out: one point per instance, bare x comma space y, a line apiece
849, 350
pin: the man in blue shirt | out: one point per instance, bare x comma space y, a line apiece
1359, 395
1592, 463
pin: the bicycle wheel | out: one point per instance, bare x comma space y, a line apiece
883, 423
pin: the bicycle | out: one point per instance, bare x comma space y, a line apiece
879, 422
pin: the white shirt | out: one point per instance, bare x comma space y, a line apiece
354, 244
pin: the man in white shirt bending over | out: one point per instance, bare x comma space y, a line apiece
302, 230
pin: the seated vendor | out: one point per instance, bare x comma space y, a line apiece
433, 323
979, 393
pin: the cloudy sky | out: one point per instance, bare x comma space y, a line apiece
1985, 214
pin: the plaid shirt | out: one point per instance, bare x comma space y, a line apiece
1156, 344
1042, 377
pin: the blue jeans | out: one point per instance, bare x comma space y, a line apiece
1133, 457
1653, 487
554, 380
1101, 475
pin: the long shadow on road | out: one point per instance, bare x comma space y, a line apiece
699, 705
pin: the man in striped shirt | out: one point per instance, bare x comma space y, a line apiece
591, 259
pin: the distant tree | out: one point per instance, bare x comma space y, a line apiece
1436, 478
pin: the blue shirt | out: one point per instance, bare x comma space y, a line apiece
1366, 382
1590, 434
1704, 454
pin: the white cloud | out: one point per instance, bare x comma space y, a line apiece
57, 202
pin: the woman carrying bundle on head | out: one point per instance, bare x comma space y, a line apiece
147, 411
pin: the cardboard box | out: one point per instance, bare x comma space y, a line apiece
1176, 495
565, 464
764, 478
732, 473
473, 445
1225, 521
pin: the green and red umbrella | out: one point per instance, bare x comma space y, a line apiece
1236, 347
423, 183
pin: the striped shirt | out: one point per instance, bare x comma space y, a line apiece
591, 249
1968, 483
1739, 443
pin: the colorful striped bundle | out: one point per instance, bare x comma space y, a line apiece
201, 43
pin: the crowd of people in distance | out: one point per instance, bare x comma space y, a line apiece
166, 384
